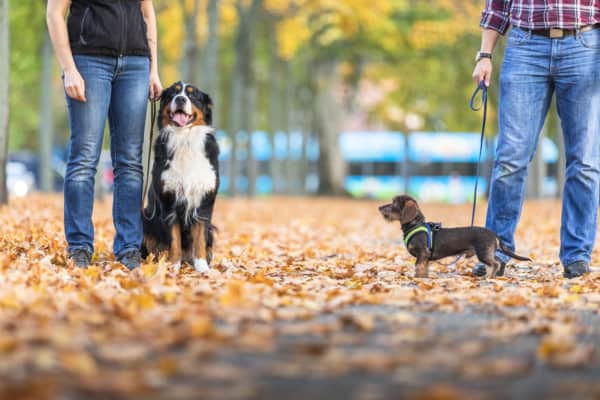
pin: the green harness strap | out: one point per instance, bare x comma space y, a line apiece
421, 228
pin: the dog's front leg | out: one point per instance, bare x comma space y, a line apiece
422, 266
199, 246
175, 251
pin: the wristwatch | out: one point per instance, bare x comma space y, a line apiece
481, 54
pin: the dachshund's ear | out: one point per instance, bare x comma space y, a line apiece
409, 212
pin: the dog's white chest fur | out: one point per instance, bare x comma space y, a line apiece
189, 174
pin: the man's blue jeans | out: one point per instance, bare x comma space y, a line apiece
116, 88
535, 68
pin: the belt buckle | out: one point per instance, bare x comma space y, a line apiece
556, 33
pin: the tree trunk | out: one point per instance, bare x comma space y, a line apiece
326, 127
275, 110
237, 85
296, 121
47, 120
242, 86
189, 62
211, 59
4, 91
250, 92
249, 111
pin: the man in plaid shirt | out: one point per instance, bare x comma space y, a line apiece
553, 48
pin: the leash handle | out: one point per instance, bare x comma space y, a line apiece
481, 87
484, 92
147, 178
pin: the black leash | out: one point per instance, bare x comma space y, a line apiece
150, 143
483, 89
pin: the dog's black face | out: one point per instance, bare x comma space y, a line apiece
183, 105
402, 208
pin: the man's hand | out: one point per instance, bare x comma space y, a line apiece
74, 84
155, 86
483, 71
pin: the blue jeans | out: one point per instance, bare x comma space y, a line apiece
535, 68
116, 88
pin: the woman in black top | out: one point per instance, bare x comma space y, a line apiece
107, 51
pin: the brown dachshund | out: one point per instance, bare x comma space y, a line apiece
427, 241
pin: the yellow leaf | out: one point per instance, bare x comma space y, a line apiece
148, 270
201, 326
167, 366
79, 363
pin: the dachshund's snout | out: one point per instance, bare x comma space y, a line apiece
386, 211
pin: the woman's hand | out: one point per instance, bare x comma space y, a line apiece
56, 12
74, 84
155, 86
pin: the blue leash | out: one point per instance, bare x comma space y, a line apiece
483, 89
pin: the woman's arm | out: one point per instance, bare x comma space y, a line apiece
150, 18
55, 17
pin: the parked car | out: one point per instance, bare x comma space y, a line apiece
19, 180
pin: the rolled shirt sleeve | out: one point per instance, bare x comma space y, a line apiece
496, 15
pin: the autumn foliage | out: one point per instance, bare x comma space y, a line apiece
302, 290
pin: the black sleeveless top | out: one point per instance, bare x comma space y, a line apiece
107, 28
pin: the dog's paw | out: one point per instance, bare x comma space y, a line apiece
421, 272
201, 265
177, 266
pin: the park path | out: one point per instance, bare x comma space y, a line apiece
308, 298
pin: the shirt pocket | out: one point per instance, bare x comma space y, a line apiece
85, 29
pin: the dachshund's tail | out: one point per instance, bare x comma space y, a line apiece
509, 253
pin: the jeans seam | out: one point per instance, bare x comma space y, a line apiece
116, 196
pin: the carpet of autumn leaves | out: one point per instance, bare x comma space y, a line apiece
307, 298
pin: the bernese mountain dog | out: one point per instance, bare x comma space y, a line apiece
185, 180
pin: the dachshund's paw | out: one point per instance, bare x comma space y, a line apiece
201, 265
421, 273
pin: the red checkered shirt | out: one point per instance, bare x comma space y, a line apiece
540, 14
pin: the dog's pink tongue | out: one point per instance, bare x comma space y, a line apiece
180, 119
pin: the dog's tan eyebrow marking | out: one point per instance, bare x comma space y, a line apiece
189, 89
178, 88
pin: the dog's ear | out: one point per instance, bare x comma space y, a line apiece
409, 211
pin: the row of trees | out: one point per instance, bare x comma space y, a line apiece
304, 66
4, 106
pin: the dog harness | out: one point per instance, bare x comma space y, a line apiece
428, 227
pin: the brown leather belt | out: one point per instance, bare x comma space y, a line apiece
556, 33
